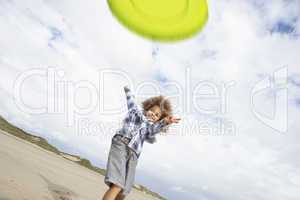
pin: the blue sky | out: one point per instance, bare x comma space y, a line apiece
244, 42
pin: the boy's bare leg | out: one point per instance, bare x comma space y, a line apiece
120, 197
112, 192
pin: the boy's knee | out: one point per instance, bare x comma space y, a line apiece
115, 188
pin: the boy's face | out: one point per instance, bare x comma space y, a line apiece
153, 114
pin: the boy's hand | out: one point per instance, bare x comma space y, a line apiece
172, 119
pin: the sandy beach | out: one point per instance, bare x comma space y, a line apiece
28, 172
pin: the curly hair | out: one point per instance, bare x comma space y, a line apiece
164, 105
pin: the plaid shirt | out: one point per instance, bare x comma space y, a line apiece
137, 127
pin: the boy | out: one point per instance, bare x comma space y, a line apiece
139, 125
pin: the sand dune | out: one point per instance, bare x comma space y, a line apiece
28, 172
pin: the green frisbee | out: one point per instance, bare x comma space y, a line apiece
164, 20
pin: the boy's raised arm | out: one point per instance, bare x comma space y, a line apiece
130, 98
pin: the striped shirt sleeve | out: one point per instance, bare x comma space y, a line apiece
130, 99
156, 127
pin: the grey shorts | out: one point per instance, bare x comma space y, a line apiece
121, 165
